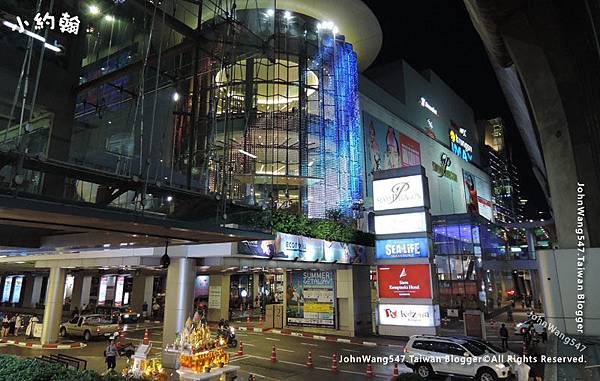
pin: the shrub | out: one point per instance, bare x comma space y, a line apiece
26, 369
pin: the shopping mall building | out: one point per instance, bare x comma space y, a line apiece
154, 137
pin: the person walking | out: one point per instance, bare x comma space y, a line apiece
504, 336
110, 353
18, 324
5, 326
11, 325
75, 312
155, 310
31, 326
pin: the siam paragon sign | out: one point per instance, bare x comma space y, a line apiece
398, 193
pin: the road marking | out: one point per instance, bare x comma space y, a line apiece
317, 367
312, 345
344, 341
249, 345
350, 350
152, 341
285, 350
272, 339
319, 337
325, 357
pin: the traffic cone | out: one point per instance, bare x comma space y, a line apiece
248, 320
260, 320
309, 362
396, 372
146, 337
369, 373
273, 355
241, 350
334, 368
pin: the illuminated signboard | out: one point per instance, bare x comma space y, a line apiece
411, 315
17, 289
460, 147
102, 290
401, 223
402, 248
478, 195
7, 287
404, 281
398, 193
311, 298
119, 291
423, 102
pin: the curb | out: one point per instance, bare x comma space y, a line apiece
24, 344
306, 335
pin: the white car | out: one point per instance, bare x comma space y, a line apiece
520, 328
429, 356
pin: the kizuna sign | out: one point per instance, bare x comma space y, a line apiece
402, 248
398, 193
404, 281
409, 315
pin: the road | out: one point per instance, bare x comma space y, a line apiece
291, 353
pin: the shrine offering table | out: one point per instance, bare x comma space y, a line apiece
228, 371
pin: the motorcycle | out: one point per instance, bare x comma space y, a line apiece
228, 334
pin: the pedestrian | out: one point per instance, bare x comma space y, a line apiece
18, 324
522, 371
533, 376
145, 309
5, 326
512, 303
155, 310
75, 312
110, 353
31, 326
544, 335
11, 325
504, 336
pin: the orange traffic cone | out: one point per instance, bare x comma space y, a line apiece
396, 372
241, 350
260, 320
334, 368
309, 362
248, 320
369, 373
273, 355
121, 337
146, 337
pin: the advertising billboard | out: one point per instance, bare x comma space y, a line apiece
290, 246
411, 315
18, 280
401, 223
402, 248
478, 195
386, 148
398, 193
404, 281
310, 298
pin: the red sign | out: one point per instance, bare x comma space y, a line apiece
410, 151
404, 281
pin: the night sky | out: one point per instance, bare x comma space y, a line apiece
439, 35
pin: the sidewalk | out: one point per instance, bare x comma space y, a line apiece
35, 343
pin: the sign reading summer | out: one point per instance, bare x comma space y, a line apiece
398, 193
402, 248
310, 298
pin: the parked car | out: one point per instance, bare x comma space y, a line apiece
89, 326
429, 356
119, 315
486, 346
520, 328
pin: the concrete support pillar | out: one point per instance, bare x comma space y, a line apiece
142, 291
77, 292
179, 297
218, 297
27, 290
37, 290
531, 241
54, 304
85, 290
255, 288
